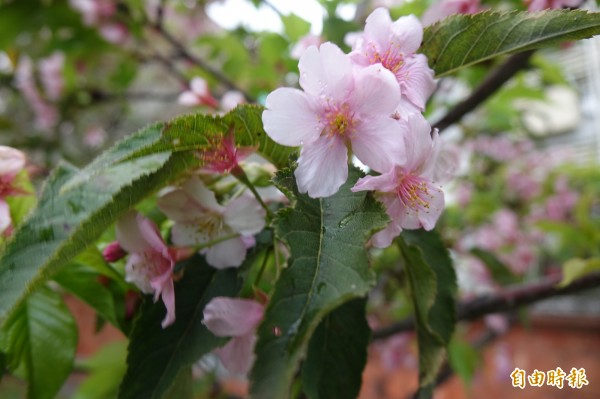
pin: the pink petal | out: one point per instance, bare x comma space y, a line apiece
199, 87
326, 71
196, 189
167, 293
230, 253
178, 206
290, 118
386, 182
237, 355
407, 34
151, 235
418, 143
379, 143
429, 218
188, 235
12, 161
189, 99
129, 235
377, 26
245, 215
232, 317
417, 80
385, 237
324, 155
376, 91
5, 219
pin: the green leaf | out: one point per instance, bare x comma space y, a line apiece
464, 360
576, 268
432, 283
156, 355
328, 266
67, 220
337, 353
40, 341
295, 27
105, 369
84, 284
462, 40
499, 271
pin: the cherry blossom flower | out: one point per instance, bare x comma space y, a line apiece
232, 99
440, 10
46, 115
539, 5
199, 94
394, 44
94, 11
238, 319
341, 107
223, 156
51, 75
150, 264
12, 161
304, 43
113, 252
200, 220
408, 190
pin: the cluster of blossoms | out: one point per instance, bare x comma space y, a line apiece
101, 14
368, 102
42, 100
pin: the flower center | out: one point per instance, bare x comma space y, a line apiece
414, 193
339, 121
210, 224
392, 59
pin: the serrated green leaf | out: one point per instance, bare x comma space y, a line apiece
156, 355
442, 314
41, 340
328, 267
67, 220
462, 40
84, 284
337, 353
576, 268
432, 283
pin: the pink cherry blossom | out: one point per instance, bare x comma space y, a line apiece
238, 319
232, 99
12, 161
223, 156
150, 264
51, 69
394, 44
445, 8
408, 190
304, 43
94, 11
341, 107
114, 32
46, 115
539, 5
113, 252
200, 220
199, 94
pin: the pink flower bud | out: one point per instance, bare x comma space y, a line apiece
113, 252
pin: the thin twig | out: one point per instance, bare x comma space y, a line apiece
492, 82
508, 299
181, 50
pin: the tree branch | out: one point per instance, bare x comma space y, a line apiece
508, 299
492, 82
183, 52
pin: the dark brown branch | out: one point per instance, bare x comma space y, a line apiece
492, 82
509, 299
183, 52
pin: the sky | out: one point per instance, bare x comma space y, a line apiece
232, 13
